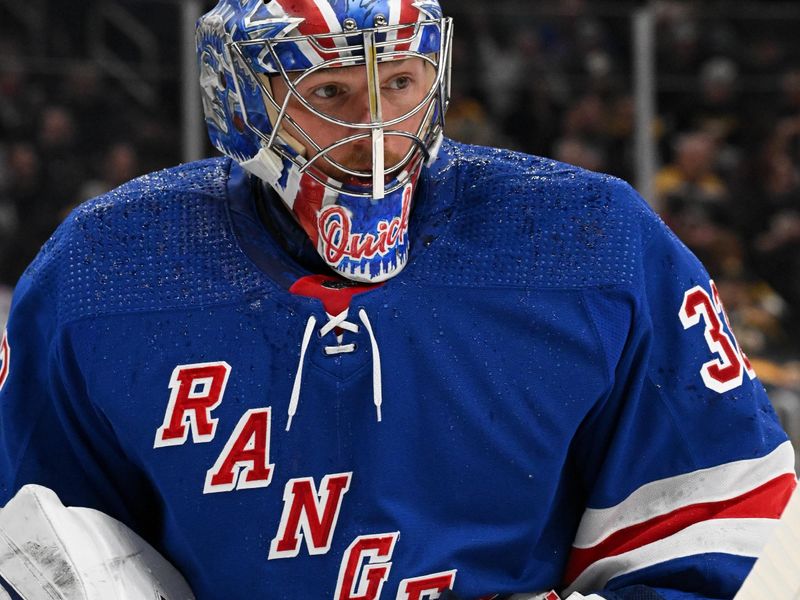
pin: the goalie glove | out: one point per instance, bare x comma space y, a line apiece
50, 552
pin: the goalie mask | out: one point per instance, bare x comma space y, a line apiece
337, 105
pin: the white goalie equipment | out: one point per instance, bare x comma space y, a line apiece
776, 574
51, 552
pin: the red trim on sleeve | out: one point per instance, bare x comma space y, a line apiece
764, 502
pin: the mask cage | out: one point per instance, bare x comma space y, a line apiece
268, 57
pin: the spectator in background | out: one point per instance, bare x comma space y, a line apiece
680, 48
595, 56
585, 137
156, 138
91, 105
500, 85
697, 202
23, 199
774, 216
790, 93
20, 95
14, 104
759, 315
576, 151
532, 119
718, 110
120, 164
468, 121
767, 54
64, 165
621, 122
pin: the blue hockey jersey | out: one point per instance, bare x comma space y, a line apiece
548, 396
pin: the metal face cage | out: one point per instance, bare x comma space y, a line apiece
253, 59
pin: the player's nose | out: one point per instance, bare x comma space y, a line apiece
361, 105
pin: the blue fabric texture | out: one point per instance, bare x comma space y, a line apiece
532, 364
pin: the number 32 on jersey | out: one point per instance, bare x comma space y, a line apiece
726, 371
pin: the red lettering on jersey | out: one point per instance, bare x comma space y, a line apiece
244, 462
426, 587
196, 391
5, 359
365, 567
315, 513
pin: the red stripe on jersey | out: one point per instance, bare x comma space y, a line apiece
764, 502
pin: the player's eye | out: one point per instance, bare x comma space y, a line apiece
400, 82
326, 92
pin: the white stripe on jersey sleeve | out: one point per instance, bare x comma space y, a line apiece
666, 495
741, 537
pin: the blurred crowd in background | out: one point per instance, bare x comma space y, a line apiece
548, 78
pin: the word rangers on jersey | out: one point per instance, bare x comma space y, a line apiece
310, 511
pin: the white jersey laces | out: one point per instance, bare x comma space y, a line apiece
339, 321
